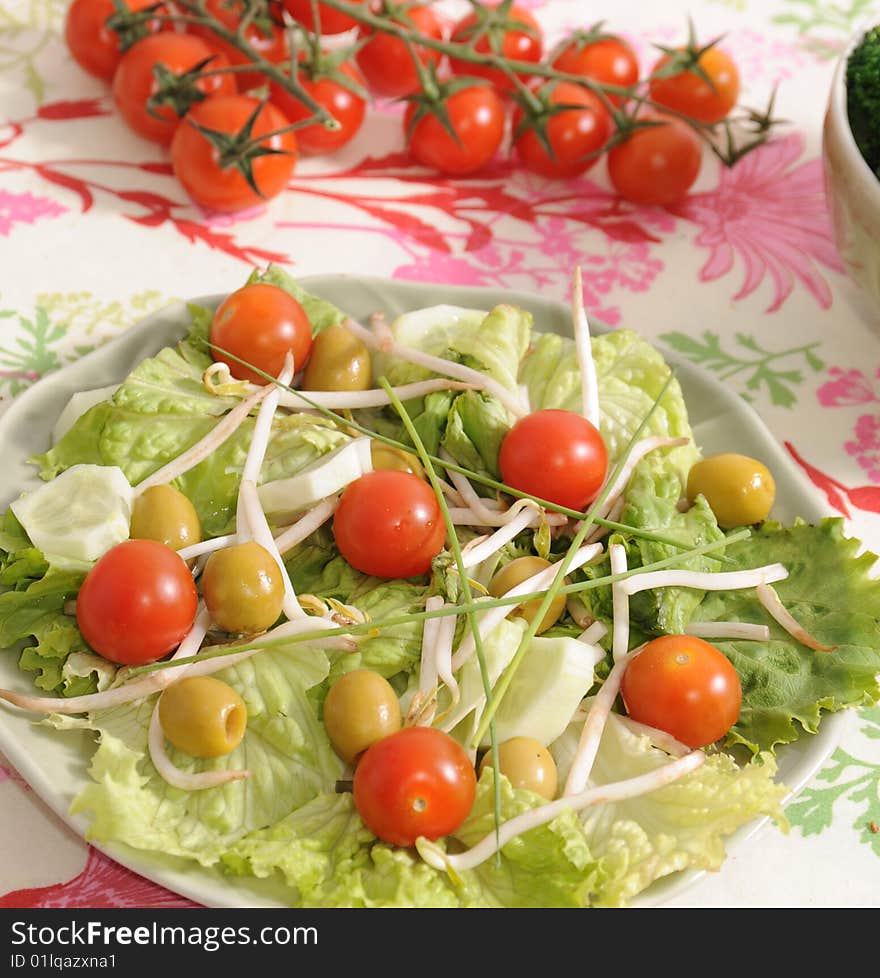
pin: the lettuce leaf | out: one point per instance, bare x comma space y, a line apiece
316, 568
652, 504
681, 826
604, 857
162, 409
321, 313
630, 374
829, 590
285, 747
36, 615
494, 342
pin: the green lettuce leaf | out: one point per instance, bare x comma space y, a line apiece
161, 410
36, 616
677, 827
630, 374
321, 313
494, 342
652, 498
328, 858
471, 425
829, 590
316, 568
285, 747
475, 427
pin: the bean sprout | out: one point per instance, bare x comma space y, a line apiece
435, 857
591, 734
770, 600
440, 366
589, 383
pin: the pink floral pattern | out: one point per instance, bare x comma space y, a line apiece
25, 209
504, 228
102, 883
769, 213
850, 388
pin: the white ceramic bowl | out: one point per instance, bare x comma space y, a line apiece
852, 189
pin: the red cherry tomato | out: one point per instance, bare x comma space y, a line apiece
135, 81
556, 455
476, 114
656, 165
330, 21
196, 161
92, 43
609, 60
416, 782
265, 34
511, 42
346, 107
689, 93
575, 135
137, 602
386, 63
685, 686
389, 524
260, 323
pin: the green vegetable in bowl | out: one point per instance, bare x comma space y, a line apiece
863, 96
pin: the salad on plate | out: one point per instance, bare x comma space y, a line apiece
434, 609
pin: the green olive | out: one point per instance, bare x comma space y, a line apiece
388, 457
360, 709
526, 763
339, 361
243, 588
516, 572
202, 716
163, 513
740, 490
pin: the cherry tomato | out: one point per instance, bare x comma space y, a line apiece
389, 524
656, 165
685, 686
480, 29
135, 80
576, 136
330, 21
92, 43
386, 63
609, 60
265, 34
689, 93
344, 105
260, 323
416, 782
137, 602
556, 455
477, 116
196, 160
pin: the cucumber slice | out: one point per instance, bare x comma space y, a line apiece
79, 515
553, 677
283, 498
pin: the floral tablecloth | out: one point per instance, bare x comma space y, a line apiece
742, 278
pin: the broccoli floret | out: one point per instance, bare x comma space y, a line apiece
863, 96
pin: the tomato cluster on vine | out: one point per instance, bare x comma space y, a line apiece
237, 89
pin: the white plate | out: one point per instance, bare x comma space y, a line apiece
55, 764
